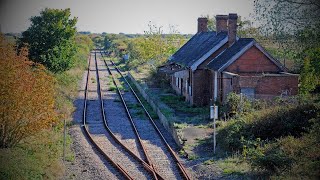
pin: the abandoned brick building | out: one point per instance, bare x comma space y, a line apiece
213, 64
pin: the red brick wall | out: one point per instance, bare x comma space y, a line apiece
275, 85
270, 86
253, 61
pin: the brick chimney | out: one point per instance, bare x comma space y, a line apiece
221, 23
202, 24
232, 28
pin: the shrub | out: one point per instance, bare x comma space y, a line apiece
290, 156
284, 121
237, 104
305, 153
267, 125
229, 136
270, 158
26, 96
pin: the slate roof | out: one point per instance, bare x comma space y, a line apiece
196, 47
226, 55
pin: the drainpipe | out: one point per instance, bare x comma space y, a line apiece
214, 110
215, 92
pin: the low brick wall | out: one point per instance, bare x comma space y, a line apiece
271, 85
167, 123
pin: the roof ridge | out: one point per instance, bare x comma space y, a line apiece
198, 45
208, 39
221, 59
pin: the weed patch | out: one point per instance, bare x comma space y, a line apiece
180, 125
144, 102
233, 165
208, 162
192, 157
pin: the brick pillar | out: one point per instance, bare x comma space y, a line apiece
202, 25
221, 23
232, 28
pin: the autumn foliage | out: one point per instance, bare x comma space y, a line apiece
26, 96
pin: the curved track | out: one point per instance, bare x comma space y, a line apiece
126, 164
156, 150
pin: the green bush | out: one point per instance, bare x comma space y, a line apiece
282, 141
235, 104
270, 158
283, 121
229, 137
290, 156
267, 125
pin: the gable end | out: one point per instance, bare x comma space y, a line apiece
245, 49
236, 56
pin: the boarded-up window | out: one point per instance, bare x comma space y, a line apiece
249, 92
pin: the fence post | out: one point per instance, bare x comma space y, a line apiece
64, 140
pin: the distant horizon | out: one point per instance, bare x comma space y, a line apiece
81, 32
123, 16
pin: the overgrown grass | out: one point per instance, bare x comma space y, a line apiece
233, 166
178, 103
192, 157
144, 102
180, 125
37, 157
112, 88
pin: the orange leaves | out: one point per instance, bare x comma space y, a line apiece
26, 96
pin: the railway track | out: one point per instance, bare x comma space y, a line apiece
156, 150
125, 163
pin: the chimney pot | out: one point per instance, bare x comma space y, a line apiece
221, 23
202, 24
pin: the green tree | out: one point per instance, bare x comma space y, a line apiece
116, 43
154, 48
295, 25
51, 39
98, 41
211, 23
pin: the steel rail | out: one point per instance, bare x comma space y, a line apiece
156, 175
117, 166
146, 165
179, 164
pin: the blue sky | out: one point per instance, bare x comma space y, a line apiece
127, 16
